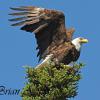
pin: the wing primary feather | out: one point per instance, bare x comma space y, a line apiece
18, 19
26, 8
19, 23
19, 13
20, 9
23, 18
27, 22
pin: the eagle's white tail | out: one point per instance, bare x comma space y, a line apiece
45, 62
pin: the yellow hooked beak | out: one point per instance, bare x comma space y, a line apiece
84, 40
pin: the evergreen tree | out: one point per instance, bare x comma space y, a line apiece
52, 82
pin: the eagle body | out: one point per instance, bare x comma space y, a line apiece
54, 40
64, 53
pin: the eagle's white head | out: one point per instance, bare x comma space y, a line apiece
78, 42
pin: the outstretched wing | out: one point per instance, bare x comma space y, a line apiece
48, 26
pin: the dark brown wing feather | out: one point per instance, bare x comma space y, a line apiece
69, 33
48, 26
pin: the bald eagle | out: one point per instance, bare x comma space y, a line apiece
53, 39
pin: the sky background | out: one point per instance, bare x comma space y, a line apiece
17, 48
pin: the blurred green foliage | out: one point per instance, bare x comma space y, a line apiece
52, 82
